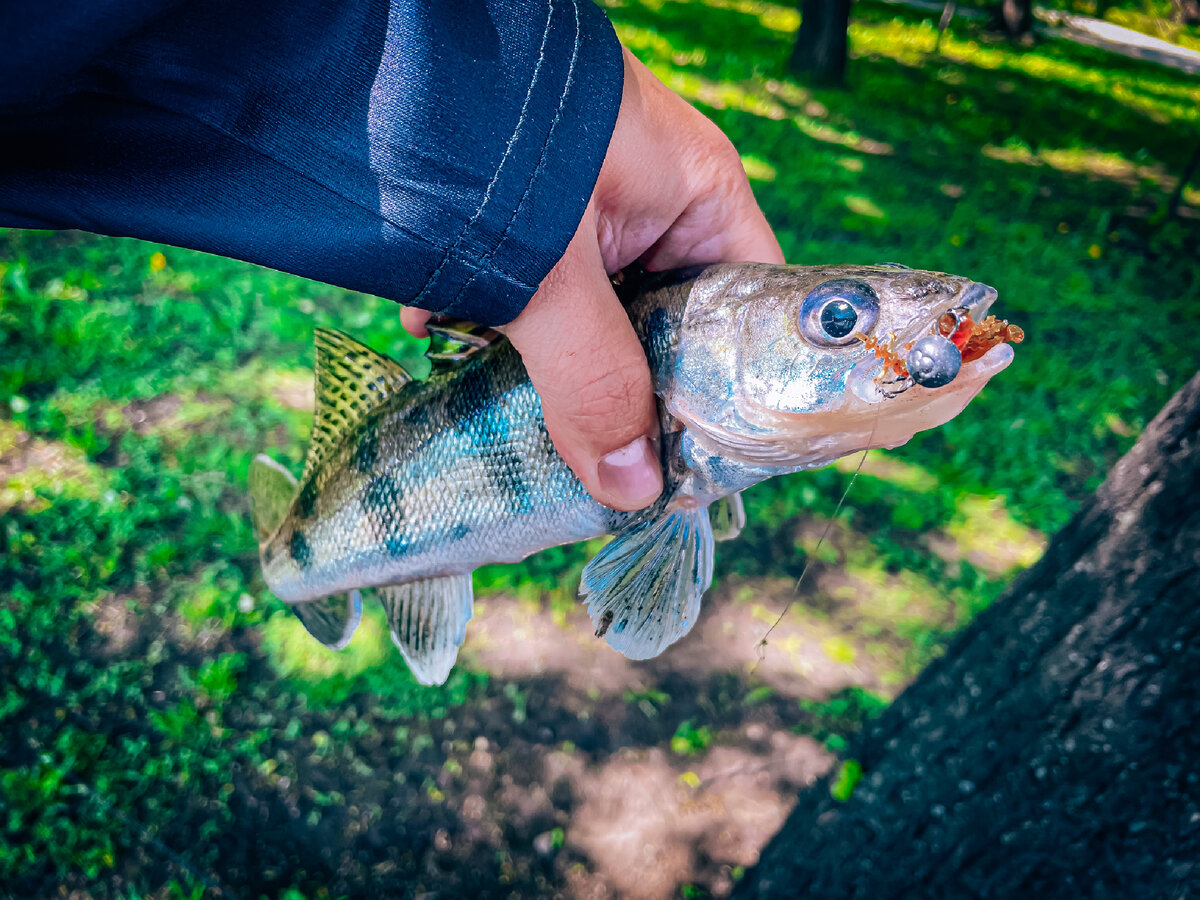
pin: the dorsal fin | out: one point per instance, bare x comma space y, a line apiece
352, 379
453, 340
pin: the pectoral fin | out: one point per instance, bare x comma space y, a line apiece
643, 590
331, 620
728, 517
429, 623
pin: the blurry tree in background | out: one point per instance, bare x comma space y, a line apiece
820, 50
1016, 17
819, 54
1186, 12
1053, 747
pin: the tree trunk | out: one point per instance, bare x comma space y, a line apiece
1016, 17
1055, 749
1185, 12
821, 45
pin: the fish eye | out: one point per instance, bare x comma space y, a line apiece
833, 312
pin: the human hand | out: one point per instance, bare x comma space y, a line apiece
671, 192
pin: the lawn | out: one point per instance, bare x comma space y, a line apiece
166, 727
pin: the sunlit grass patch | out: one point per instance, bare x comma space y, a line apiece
773, 16
34, 470
889, 467
913, 46
296, 654
985, 533
1157, 22
1093, 162
758, 169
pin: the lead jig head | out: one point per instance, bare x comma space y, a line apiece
934, 361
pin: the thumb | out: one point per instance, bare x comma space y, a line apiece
589, 369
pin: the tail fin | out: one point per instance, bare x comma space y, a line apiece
272, 489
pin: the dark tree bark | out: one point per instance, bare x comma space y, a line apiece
1054, 750
821, 44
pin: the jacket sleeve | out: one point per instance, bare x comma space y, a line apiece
439, 154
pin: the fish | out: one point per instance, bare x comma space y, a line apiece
759, 370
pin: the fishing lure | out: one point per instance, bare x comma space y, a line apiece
760, 370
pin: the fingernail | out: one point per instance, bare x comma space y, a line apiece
632, 474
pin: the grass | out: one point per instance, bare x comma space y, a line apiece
153, 692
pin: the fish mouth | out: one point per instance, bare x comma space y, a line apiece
866, 380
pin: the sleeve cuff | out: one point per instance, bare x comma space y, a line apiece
533, 205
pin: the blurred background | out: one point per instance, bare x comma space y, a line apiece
168, 729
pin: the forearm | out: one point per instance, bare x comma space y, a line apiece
437, 157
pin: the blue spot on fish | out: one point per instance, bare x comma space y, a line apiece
382, 497
477, 411
300, 550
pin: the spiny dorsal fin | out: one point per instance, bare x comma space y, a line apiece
272, 489
453, 340
352, 380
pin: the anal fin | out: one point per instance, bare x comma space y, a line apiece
331, 620
643, 589
428, 620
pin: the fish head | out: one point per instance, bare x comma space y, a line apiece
798, 366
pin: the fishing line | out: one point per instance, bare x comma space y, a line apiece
760, 648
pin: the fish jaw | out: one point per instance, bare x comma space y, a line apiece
894, 420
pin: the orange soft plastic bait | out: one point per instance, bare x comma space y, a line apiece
976, 338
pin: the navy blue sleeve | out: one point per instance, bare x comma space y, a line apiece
436, 153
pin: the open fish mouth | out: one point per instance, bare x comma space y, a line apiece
960, 347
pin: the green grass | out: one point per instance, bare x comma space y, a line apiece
150, 685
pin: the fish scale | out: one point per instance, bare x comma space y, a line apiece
474, 478
410, 486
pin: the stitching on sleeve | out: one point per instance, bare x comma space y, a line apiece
486, 260
487, 194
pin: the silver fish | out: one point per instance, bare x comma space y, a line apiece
760, 370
